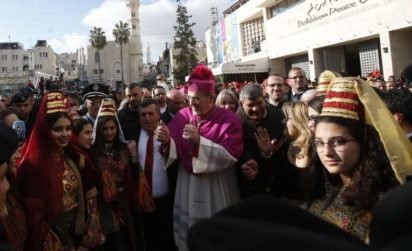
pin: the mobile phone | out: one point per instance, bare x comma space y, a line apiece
20, 128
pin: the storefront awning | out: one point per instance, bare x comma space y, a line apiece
252, 66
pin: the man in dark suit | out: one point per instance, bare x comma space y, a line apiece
175, 102
298, 82
263, 167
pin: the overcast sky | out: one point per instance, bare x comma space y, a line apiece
66, 24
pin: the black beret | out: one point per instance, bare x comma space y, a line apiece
8, 143
96, 90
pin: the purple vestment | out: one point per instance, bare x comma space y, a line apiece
219, 126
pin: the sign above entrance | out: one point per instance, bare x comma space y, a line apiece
322, 9
253, 66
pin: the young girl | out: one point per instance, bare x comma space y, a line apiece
350, 170
117, 167
50, 182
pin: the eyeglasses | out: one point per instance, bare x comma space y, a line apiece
337, 144
158, 79
195, 99
296, 77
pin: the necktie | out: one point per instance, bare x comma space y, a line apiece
148, 164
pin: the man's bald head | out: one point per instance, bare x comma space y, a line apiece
175, 101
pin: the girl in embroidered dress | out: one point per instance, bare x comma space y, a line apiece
350, 169
50, 182
118, 168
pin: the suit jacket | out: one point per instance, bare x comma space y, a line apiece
166, 117
130, 123
276, 176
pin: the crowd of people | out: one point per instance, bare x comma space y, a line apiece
207, 167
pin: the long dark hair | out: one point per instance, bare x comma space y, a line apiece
117, 148
79, 124
372, 176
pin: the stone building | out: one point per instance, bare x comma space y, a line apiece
351, 36
110, 62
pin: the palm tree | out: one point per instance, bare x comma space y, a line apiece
98, 40
121, 32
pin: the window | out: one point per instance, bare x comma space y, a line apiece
96, 57
15, 68
96, 71
4, 69
133, 14
43, 54
252, 33
133, 26
73, 61
118, 71
15, 57
3, 57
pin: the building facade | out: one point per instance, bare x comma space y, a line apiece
14, 65
67, 63
43, 58
351, 36
110, 62
18, 65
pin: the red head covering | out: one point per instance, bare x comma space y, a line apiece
202, 80
38, 175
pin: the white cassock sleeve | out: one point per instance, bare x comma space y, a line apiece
212, 157
172, 156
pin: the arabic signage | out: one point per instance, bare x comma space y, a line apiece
319, 10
